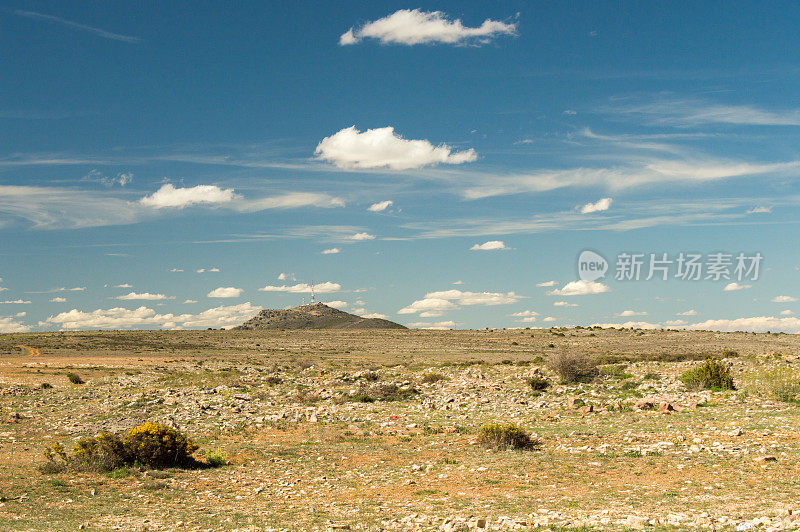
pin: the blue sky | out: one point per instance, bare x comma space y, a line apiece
184, 164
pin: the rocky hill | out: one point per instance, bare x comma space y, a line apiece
316, 316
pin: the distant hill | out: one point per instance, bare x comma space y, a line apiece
316, 316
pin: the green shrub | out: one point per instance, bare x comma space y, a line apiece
74, 378
506, 436
711, 375
380, 392
537, 383
46, 386
371, 376
273, 380
430, 378
573, 367
103, 452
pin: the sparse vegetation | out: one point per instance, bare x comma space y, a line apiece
506, 436
710, 375
431, 378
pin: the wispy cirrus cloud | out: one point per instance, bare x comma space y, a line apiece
689, 112
76, 26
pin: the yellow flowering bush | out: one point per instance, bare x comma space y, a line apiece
153, 445
158, 445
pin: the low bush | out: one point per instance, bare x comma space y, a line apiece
380, 392
538, 384
153, 445
573, 367
74, 378
506, 436
710, 375
273, 380
430, 378
46, 386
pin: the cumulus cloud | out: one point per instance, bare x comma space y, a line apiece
331, 251
337, 304
286, 276
628, 325
361, 236
380, 206
132, 296
783, 299
413, 26
170, 197
564, 304
546, 283
490, 245
786, 312
383, 148
225, 291
58, 300
690, 312
436, 326
626, 313
438, 302
600, 205
549, 319
304, 288
10, 325
190, 301
733, 287
580, 288
372, 315
121, 318
175, 270
15, 302
759, 210
754, 324
673, 323
524, 313
123, 285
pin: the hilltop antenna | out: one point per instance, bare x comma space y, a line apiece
312, 293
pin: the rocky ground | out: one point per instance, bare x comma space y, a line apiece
631, 450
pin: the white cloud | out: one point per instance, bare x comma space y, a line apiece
15, 302
436, 326
286, 276
580, 288
733, 287
452, 299
190, 301
132, 296
372, 315
361, 236
626, 313
291, 200
458, 282
786, 312
201, 270
759, 210
754, 324
412, 26
431, 314
10, 325
672, 323
170, 197
383, 148
121, 318
331, 251
564, 304
783, 299
380, 206
694, 112
58, 300
599, 205
175, 270
690, 312
225, 291
123, 285
304, 288
490, 245
549, 319
524, 313
337, 304
546, 283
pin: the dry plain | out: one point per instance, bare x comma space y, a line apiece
301, 454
